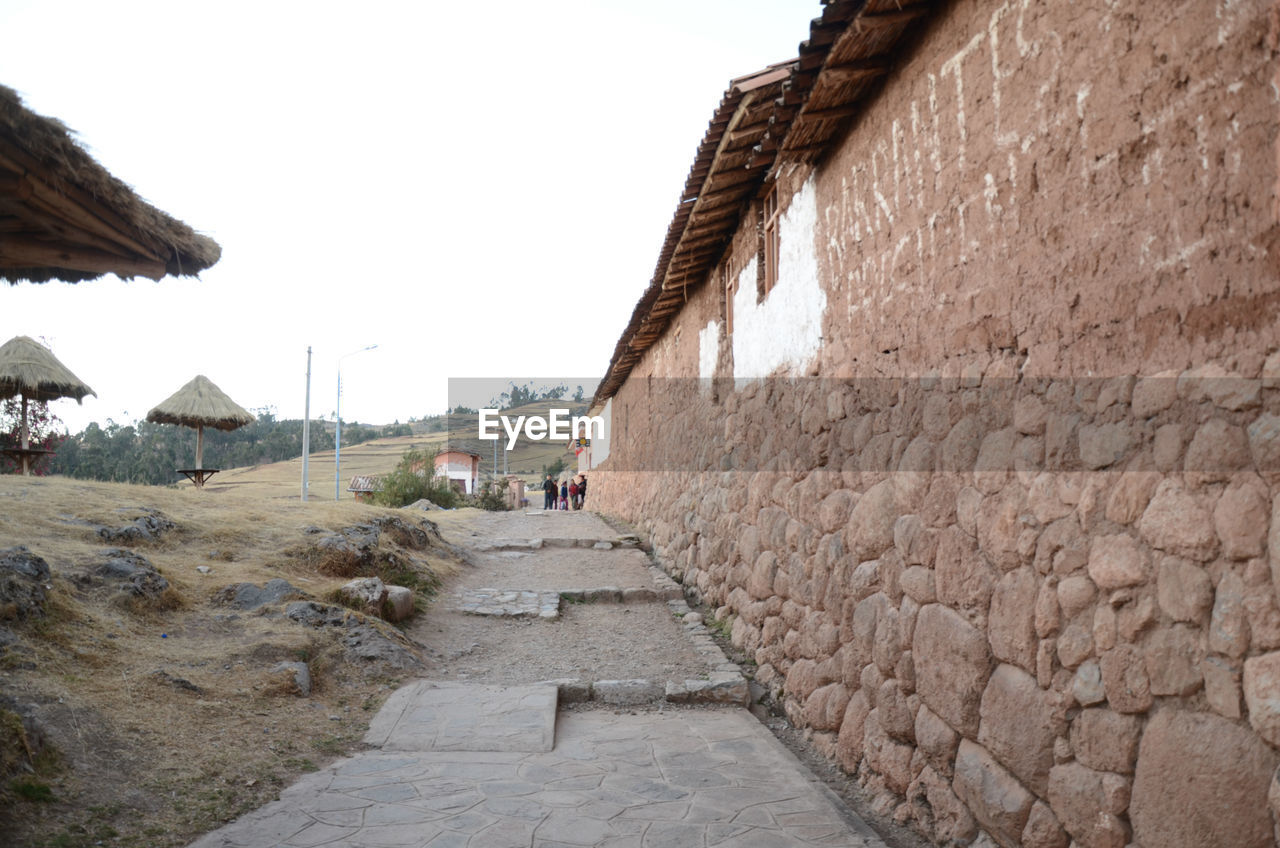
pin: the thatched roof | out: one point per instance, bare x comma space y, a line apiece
30, 369
65, 217
201, 404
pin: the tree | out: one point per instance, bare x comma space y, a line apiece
43, 433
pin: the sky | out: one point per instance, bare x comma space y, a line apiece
479, 189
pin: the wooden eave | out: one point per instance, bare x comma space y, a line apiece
63, 216
788, 112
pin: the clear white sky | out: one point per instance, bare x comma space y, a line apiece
446, 180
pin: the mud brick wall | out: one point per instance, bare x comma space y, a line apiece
1007, 544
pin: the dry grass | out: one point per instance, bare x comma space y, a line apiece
167, 717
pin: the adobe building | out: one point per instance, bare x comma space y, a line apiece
956, 390
460, 467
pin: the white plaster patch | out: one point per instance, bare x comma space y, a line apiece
785, 331
600, 443
708, 349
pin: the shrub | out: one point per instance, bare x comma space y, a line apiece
492, 498
411, 481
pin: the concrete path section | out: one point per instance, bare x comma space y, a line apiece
711, 777
427, 716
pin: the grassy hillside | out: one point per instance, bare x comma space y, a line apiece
162, 711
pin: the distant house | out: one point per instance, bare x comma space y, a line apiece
461, 467
365, 486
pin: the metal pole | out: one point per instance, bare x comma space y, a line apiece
306, 428
337, 438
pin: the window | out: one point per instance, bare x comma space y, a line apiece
730, 288
771, 243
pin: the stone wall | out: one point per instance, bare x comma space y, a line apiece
1007, 546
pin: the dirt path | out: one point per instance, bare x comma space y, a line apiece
589, 641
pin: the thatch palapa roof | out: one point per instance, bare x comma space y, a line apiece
30, 369
65, 217
201, 404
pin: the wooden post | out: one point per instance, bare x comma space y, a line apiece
26, 440
199, 447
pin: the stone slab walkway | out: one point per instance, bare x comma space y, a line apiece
675, 779
427, 716
509, 602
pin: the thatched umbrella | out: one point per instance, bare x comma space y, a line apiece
200, 404
30, 369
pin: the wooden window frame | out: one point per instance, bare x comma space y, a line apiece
729, 288
770, 243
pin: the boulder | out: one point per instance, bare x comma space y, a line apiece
1222, 686
1262, 695
938, 810
1043, 829
130, 573
1011, 622
299, 674
1173, 657
952, 662
869, 532
399, 603
1201, 780
1176, 523
997, 800
936, 740
1019, 724
1087, 687
149, 526
1117, 561
363, 641
366, 594
1184, 589
247, 596
1240, 519
962, 577
1105, 740
23, 578
849, 742
1124, 676
1089, 804
1229, 622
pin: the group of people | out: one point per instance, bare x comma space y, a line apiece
570, 494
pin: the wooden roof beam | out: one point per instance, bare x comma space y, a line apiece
893, 17
835, 113
35, 255
857, 70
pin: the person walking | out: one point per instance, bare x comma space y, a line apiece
573, 494
548, 493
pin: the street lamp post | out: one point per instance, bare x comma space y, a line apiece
337, 435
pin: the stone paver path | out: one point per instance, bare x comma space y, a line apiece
427, 716
512, 602
481, 765
677, 779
